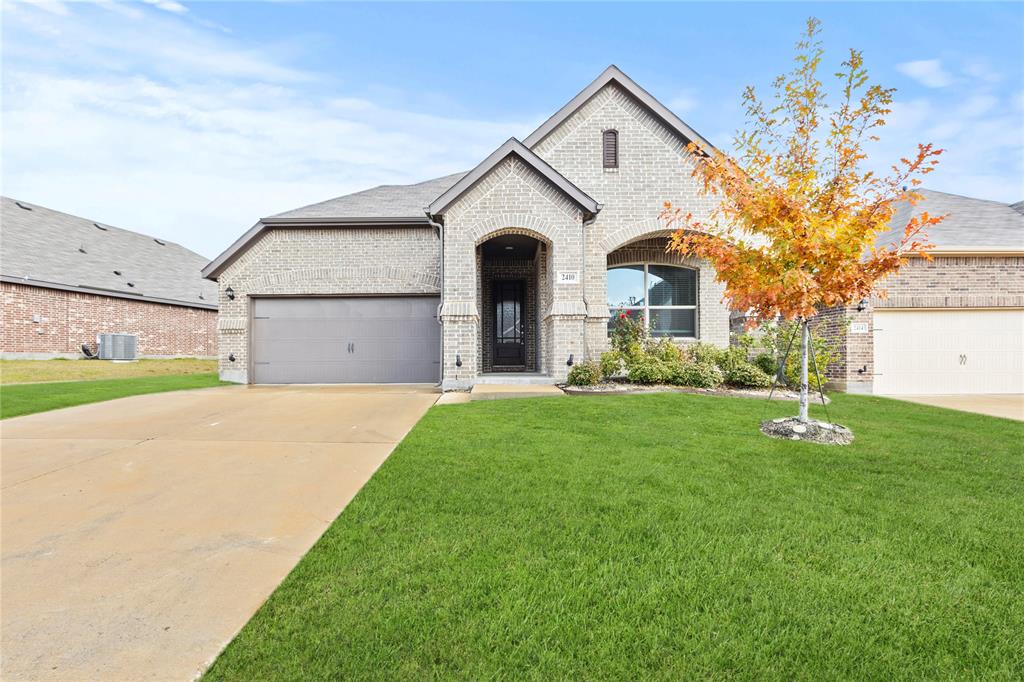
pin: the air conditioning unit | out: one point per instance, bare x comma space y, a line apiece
117, 346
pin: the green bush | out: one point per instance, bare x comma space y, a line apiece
776, 338
647, 369
698, 375
705, 354
766, 363
747, 375
665, 350
629, 330
611, 364
586, 373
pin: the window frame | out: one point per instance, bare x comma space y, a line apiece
614, 135
646, 307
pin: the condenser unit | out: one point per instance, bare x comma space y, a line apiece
117, 346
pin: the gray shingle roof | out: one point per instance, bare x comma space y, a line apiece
1018, 207
385, 201
45, 247
972, 224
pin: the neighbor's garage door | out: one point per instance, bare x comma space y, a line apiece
937, 352
345, 340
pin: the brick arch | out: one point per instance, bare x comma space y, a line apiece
645, 229
526, 224
372, 276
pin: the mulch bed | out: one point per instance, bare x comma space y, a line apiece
625, 388
791, 428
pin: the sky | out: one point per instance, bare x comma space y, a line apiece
190, 121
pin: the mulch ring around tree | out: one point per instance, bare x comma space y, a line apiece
791, 428
625, 388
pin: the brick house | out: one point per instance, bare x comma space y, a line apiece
67, 279
509, 272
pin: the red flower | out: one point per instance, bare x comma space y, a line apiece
622, 316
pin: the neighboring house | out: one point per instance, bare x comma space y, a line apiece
950, 325
509, 268
66, 279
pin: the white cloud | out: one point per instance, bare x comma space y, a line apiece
168, 6
683, 102
927, 72
160, 126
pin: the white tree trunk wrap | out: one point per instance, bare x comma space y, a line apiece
805, 343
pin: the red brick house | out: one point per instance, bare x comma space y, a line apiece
66, 279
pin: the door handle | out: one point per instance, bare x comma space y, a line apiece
963, 358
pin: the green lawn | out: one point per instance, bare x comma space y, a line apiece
29, 371
28, 398
663, 537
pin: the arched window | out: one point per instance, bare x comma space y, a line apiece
665, 295
610, 148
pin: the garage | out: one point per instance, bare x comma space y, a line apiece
947, 352
338, 340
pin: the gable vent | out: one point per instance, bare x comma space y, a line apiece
610, 148
21, 205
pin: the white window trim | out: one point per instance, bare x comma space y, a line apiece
646, 307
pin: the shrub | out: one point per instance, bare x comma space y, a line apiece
705, 354
628, 331
699, 375
647, 369
732, 357
775, 339
611, 363
586, 373
766, 363
747, 375
665, 350
675, 372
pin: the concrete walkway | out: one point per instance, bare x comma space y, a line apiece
139, 535
1006, 405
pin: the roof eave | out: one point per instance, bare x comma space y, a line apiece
510, 147
98, 291
612, 73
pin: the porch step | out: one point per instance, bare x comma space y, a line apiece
514, 379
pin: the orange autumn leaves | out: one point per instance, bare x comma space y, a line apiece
797, 217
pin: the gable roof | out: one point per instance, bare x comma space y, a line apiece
972, 225
395, 204
513, 147
609, 75
46, 248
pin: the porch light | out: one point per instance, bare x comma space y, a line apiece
862, 305
570, 360
230, 293
231, 357
458, 360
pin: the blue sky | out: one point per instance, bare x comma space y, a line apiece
190, 121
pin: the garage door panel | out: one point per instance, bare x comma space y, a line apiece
346, 340
949, 352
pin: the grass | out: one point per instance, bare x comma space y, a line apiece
30, 371
663, 537
24, 399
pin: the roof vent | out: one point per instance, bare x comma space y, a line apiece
81, 249
99, 227
202, 297
21, 205
160, 242
117, 272
131, 284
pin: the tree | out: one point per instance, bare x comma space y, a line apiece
797, 213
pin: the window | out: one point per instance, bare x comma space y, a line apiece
664, 295
610, 148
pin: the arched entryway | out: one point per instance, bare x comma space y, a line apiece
512, 289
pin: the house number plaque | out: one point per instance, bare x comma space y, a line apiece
568, 276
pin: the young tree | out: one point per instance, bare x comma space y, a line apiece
798, 214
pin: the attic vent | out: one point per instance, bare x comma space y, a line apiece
21, 205
610, 148
160, 242
117, 272
99, 227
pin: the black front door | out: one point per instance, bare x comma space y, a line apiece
509, 324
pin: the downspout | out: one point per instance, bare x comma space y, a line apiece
440, 306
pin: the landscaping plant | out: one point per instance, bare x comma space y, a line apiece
797, 211
587, 373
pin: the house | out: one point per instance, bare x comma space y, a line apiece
513, 270
505, 270
950, 325
67, 279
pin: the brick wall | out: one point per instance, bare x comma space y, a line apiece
68, 319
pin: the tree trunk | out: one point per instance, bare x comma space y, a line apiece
805, 344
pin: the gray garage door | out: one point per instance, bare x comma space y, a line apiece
345, 340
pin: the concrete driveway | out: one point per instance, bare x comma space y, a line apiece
139, 535
1007, 405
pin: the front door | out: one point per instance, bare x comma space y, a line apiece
509, 324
